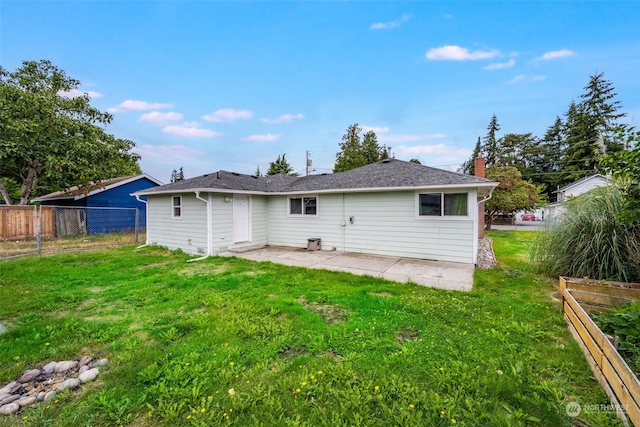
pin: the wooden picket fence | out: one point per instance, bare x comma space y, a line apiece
580, 296
21, 222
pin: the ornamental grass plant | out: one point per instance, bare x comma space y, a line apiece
590, 240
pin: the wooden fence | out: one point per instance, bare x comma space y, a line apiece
21, 222
613, 373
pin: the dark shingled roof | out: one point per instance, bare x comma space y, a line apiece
389, 173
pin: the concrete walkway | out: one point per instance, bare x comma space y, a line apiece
436, 274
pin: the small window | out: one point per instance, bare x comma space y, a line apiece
443, 204
177, 206
303, 206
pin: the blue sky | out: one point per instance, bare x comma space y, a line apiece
210, 85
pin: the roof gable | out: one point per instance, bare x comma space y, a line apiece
385, 174
581, 181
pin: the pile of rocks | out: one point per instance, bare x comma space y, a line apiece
42, 384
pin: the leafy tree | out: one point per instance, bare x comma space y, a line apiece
590, 129
416, 161
512, 194
356, 151
280, 165
177, 175
624, 166
50, 139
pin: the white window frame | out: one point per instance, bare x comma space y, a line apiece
178, 206
442, 216
303, 214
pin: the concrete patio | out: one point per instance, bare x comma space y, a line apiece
436, 274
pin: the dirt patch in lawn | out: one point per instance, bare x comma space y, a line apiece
195, 269
331, 313
406, 335
290, 353
381, 294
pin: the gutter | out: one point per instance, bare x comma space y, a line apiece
488, 197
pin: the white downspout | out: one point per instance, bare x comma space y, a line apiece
208, 230
146, 220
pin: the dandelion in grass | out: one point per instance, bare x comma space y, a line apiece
453, 420
441, 413
202, 410
304, 383
441, 369
499, 372
411, 406
232, 392
376, 388
188, 417
46, 343
298, 390
231, 363
319, 372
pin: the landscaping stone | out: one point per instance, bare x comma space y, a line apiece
48, 368
9, 409
90, 375
99, 363
62, 367
26, 401
43, 383
9, 399
29, 375
84, 360
71, 383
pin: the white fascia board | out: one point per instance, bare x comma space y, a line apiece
487, 186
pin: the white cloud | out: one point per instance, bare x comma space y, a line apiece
404, 138
376, 129
189, 129
75, 93
158, 118
523, 78
499, 65
390, 24
437, 152
555, 54
177, 152
262, 138
285, 118
228, 115
457, 53
131, 105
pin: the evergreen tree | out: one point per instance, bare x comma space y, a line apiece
280, 165
490, 146
590, 128
258, 171
356, 151
469, 167
416, 161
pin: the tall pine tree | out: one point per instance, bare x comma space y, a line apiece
490, 147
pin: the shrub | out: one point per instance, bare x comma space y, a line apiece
624, 323
589, 240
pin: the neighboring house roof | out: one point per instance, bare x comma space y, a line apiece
581, 181
386, 174
76, 193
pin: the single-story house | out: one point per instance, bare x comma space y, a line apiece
391, 207
103, 205
574, 189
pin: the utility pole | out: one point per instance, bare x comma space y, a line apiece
309, 162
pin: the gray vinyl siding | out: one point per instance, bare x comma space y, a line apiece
222, 220
188, 233
385, 223
294, 230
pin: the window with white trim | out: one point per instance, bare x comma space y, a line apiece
303, 205
176, 207
443, 204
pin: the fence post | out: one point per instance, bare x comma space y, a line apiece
137, 225
37, 221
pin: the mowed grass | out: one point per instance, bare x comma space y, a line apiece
226, 341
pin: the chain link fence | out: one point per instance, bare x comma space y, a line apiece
36, 229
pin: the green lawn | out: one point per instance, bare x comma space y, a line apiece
227, 341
